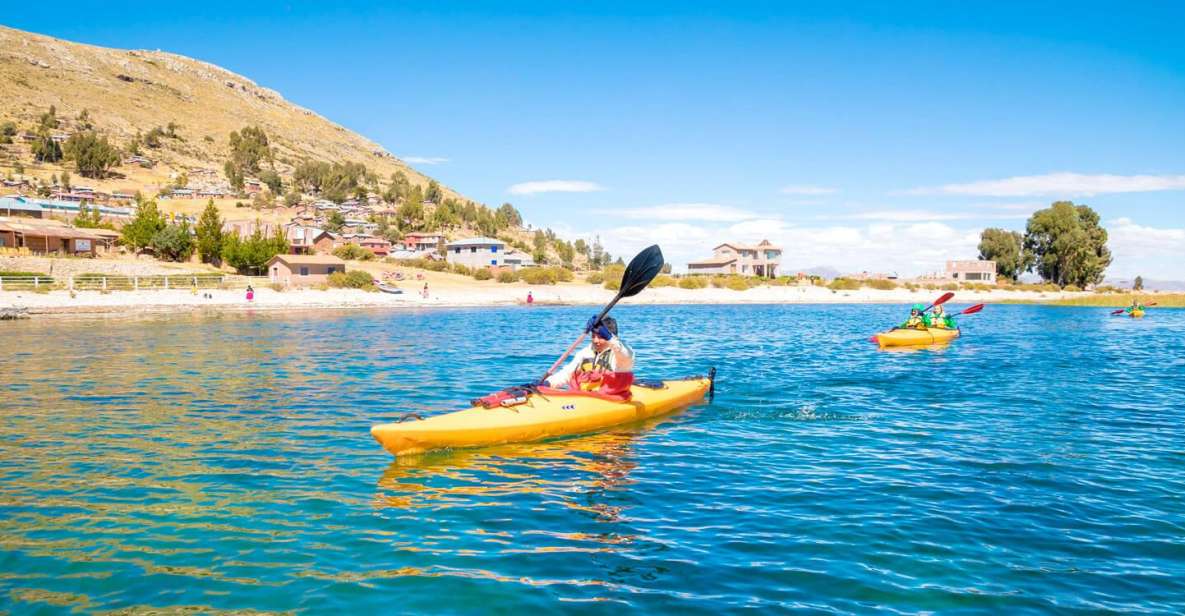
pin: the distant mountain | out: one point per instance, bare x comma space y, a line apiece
1149, 284
823, 271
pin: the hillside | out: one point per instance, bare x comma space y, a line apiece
130, 92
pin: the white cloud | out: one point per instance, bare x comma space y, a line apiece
547, 186
710, 212
807, 189
1058, 184
425, 160
923, 216
1153, 252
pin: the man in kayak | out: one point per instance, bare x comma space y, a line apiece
597, 365
939, 319
917, 320
1136, 305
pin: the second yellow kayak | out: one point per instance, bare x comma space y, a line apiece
539, 417
916, 337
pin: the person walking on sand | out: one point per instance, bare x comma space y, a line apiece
606, 365
250, 293
425, 290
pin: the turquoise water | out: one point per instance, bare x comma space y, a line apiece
223, 462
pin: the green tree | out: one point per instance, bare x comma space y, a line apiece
248, 148
433, 193
1068, 243
410, 213
88, 218
84, 120
49, 119
233, 175
250, 255
209, 234
1007, 249
66, 179
92, 155
272, 180
292, 198
1138, 284
580, 247
7, 132
45, 149
508, 217
335, 221
139, 231
174, 242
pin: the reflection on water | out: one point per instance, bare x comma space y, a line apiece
224, 462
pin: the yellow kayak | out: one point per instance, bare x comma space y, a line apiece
916, 337
1136, 314
539, 417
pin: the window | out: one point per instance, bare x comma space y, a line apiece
457, 250
330, 270
473, 249
493, 249
304, 271
493, 261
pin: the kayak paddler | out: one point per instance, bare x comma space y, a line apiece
597, 366
940, 319
917, 320
1136, 305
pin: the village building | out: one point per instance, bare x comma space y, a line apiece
19, 205
761, 260
972, 271
476, 252
379, 246
252, 186
422, 242
517, 259
302, 270
304, 240
31, 236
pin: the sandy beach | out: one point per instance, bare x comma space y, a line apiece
451, 292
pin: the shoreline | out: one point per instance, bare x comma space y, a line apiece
59, 303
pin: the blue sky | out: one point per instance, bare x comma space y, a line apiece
868, 136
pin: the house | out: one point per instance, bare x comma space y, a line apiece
422, 242
760, 260
476, 252
46, 236
182, 193
300, 270
252, 186
305, 240
16, 205
210, 193
122, 196
517, 259
972, 271
379, 246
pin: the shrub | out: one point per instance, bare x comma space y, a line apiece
1070, 288
950, 286
353, 252
844, 284
911, 286
507, 276
881, 285
613, 274
594, 278
737, 283
544, 275
663, 280
693, 282
277, 286
461, 268
354, 279
564, 274
483, 274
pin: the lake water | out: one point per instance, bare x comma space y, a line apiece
219, 462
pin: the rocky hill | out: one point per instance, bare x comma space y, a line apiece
126, 93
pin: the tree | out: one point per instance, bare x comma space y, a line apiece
1138, 284
88, 218
292, 198
7, 132
581, 247
1007, 249
1068, 243
92, 154
84, 120
45, 149
173, 242
507, 217
272, 180
49, 119
433, 192
335, 222
410, 213
233, 175
65, 179
248, 148
251, 255
138, 232
209, 234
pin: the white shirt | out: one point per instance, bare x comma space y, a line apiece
624, 363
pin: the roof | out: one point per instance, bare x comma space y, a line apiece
477, 241
19, 203
764, 245
307, 260
46, 229
713, 262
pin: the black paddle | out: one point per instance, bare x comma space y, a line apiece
641, 270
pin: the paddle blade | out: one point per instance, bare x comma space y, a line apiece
946, 297
641, 270
1149, 305
1117, 312
973, 309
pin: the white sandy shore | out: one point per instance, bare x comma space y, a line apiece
454, 295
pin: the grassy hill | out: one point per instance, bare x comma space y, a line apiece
130, 92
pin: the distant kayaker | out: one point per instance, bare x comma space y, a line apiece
917, 320
598, 363
1136, 305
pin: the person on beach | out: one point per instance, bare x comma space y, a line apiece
917, 319
425, 292
605, 364
530, 298
250, 293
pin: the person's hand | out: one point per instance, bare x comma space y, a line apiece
591, 325
602, 332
